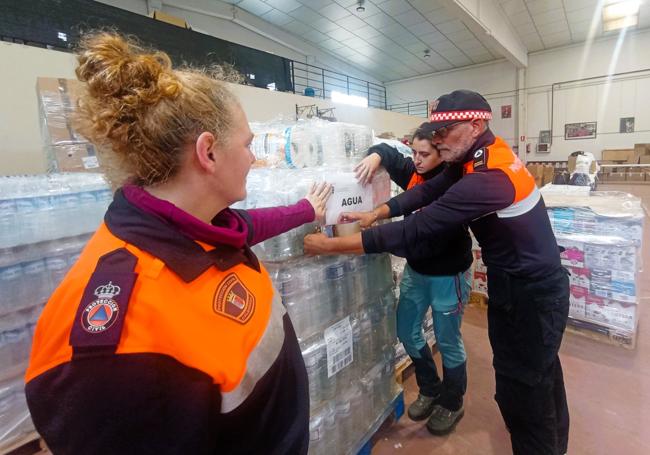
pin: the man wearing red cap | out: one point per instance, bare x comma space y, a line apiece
488, 188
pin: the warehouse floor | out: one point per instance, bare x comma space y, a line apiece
608, 389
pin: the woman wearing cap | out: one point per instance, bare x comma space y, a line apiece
435, 277
167, 335
527, 286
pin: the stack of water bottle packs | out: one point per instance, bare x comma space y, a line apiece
602, 237
44, 223
309, 143
342, 307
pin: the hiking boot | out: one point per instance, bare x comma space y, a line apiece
421, 408
443, 421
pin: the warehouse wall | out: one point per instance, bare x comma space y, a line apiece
21, 149
262, 35
603, 100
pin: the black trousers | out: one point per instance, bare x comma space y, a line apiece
526, 322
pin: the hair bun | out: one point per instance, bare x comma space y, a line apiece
114, 67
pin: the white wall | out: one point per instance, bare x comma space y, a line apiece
601, 100
21, 143
496, 81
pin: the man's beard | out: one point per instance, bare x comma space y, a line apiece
456, 153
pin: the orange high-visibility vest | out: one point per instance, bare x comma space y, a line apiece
416, 179
212, 323
500, 156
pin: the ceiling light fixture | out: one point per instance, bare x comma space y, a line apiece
360, 7
427, 53
620, 14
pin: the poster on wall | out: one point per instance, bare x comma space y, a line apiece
545, 137
585, 130
506, 111
626, 125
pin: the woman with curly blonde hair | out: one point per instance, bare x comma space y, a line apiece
167, 335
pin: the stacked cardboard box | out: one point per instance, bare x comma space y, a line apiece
602, 239
601, 236
640, 154
543, 173
479, 273
65, 149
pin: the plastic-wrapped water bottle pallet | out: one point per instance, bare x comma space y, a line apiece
394, 410
602, 334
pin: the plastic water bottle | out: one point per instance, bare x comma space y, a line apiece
57, 267
365, 344
9, 231
344, 421
337, 286
317, 434
332, 430
37, 283
11, 285
355, 269
313, 358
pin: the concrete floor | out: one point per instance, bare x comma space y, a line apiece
608, 390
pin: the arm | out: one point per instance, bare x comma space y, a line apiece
425, 193
399, 168
271, 221
474, 196
321, 244
410, 200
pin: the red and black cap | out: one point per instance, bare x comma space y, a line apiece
458, 106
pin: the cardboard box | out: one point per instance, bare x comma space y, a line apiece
611, 312
57, 98
573, 254
606, 170
635, 176
75, 158
642, 150
65, 149
644, 159
577, 301
548, 174
620, 155
168, 18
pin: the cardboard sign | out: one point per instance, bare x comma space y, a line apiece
347, 196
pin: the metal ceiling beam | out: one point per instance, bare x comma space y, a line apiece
486, 19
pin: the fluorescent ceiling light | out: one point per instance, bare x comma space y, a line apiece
624, 22
354, 100
620, 10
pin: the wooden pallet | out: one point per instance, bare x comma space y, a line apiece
30, 443
400, 370
608, 336
478, 300
403, 370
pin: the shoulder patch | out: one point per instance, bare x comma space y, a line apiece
480, 159
233, 300
102, 310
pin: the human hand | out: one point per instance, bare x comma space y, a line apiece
365, 170
317, 196
316, 244
366, 219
